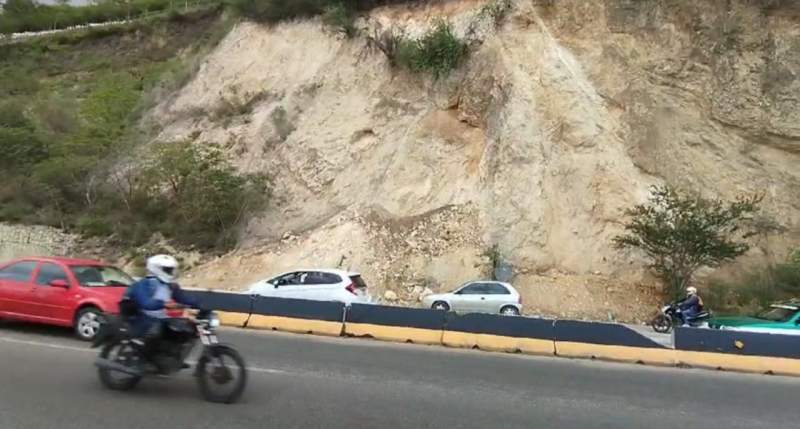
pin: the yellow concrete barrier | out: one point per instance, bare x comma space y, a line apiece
653, 356
498, 343
394, 333
291, 324
731, 362
227, 318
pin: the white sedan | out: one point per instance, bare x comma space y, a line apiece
482, 296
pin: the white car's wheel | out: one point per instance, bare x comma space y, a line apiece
440, 305
509, 310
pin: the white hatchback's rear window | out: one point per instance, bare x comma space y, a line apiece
358, 281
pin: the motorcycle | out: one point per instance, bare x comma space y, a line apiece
669, 317
122, 364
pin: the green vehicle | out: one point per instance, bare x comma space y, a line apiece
783, 318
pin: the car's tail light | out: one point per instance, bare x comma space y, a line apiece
519, 299
351, 288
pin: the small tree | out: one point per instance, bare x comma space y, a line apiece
680, 233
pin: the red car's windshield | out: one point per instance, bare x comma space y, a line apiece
96, 276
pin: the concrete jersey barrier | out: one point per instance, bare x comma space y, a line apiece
403, 324
708, 348
738, 350
608, 341
499, 333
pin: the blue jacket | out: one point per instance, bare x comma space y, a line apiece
142, 292
691, 305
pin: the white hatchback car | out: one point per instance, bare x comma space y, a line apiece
317, 284
482, 296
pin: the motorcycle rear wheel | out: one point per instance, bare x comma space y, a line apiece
661, 324
124, 354
214, 372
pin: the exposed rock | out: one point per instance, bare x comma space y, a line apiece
558, 121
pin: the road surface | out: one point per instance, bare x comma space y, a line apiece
296, 381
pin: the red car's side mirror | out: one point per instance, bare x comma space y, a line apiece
60, 283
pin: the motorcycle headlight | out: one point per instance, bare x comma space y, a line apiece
213, 321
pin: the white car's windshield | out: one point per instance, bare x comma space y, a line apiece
97, 276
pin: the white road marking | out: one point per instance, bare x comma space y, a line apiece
79, 349
52, 346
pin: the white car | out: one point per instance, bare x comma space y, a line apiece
481, 296
315, 284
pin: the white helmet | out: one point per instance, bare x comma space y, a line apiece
691, 290
164, 267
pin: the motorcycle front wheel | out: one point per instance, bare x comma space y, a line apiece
661, 324
124, 354
221, 374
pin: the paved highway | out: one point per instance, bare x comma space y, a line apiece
47, 381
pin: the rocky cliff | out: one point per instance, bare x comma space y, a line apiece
525, 157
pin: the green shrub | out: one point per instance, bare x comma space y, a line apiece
339, 11
203, 195
21, 147
755, 289
681, 232
57, 116
14, 211
794, 258
12, 116
438, 52
94, 226
272, 11
341, 18
17, 81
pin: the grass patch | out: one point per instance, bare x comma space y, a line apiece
438, 52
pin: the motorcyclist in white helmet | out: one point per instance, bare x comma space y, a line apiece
691, 306
153, 296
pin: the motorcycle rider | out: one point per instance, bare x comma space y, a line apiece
691, 306
152, 296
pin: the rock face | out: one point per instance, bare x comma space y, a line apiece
21, 240
561, 118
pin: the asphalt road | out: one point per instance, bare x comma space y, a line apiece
47, 381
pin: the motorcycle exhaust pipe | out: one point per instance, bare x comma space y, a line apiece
114, 366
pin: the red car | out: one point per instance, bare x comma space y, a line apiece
61, 291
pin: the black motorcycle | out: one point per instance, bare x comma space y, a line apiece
669, 317
220, 370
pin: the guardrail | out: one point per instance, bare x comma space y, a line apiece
707, 348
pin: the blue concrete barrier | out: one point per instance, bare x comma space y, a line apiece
222, 301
